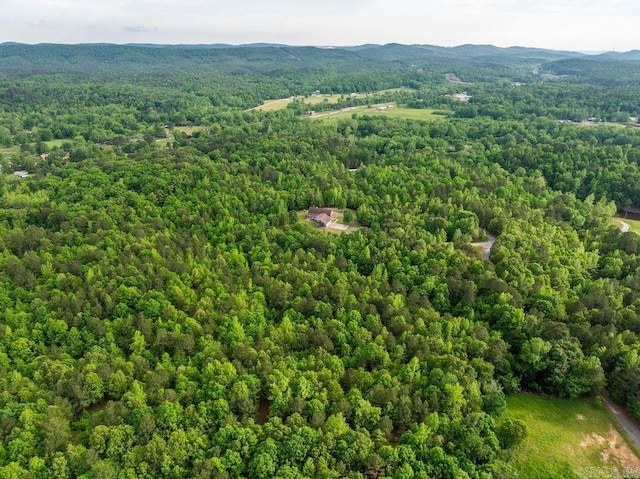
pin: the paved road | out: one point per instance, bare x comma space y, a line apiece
628, 424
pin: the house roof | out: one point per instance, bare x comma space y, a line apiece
314, 210
324, 219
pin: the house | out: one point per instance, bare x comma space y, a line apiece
21, 173
629, 213
464, 96
322, 216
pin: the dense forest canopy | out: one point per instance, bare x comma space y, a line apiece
165, 312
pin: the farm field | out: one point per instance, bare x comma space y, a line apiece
391, 111
273, 105
314, 100
279, 104
569, 438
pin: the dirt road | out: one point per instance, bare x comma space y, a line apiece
624, 227
486, 245
342, 227
628, 424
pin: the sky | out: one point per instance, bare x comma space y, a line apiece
583, 25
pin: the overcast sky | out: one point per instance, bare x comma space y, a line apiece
587, 25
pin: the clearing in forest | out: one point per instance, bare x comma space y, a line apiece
339, 226
387, 109
273, 105
569, 439
279, 104
315, 99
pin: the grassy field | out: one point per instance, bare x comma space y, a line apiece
393, 112
314, 100
568, 439
273, 105
279, 104
53, 143
11, 150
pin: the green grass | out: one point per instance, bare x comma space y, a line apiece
188, 130
279, 104
11, 150
53, 143
411, 113
314, 100
273, 105
567, 438
424, 114
634, 225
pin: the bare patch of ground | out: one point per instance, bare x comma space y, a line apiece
613, 448
623, 419
580, 417
342, 227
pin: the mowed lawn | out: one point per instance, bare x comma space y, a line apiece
568, 439
424, 114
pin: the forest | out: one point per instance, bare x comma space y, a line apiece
165, 312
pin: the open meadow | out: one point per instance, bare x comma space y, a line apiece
569, 438
388, 110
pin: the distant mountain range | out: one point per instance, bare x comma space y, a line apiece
269, 58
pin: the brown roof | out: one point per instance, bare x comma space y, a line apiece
314, 210
323, 219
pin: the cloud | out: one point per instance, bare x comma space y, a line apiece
566, 24
38, 24
140, 29
568, 7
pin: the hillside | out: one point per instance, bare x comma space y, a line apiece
166, 311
